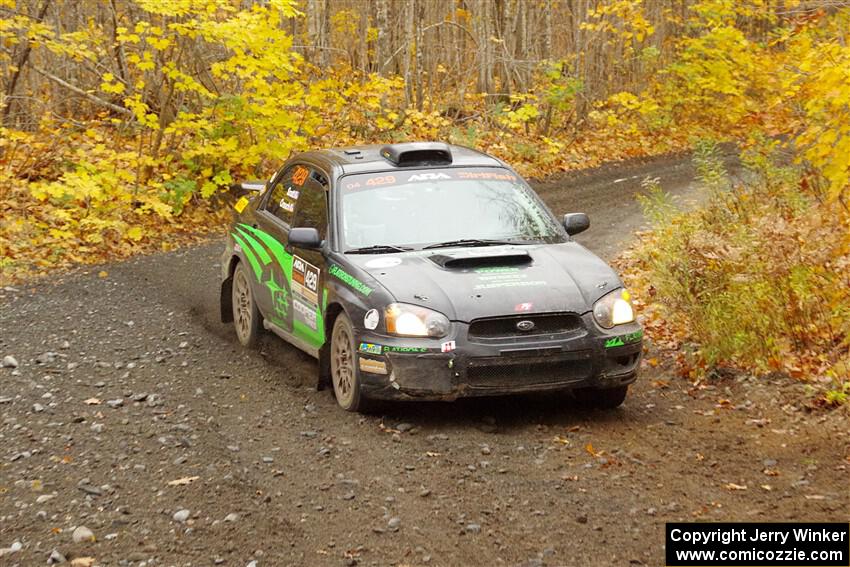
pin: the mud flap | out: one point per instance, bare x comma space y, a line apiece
324, 379
226, 300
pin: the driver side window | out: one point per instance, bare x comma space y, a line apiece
284, 194
312, 209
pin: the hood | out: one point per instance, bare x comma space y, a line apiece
469, 283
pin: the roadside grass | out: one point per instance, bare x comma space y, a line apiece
757, 279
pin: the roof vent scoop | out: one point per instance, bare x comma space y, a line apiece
417, 154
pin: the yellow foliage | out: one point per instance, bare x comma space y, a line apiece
117, 182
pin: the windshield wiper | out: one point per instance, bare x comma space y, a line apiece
378, 249
468, 242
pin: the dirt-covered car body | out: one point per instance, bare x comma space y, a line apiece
501, 317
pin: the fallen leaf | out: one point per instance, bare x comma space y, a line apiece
572, 478
182, 481
766, 487
815, 497
103, 274
82, 562
771, 472
432, 454
591, 451
92, 402
561, 440
733, 486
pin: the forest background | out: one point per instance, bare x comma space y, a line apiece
124, 122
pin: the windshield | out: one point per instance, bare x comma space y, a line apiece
418, 208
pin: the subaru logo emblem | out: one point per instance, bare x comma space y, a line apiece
525, 325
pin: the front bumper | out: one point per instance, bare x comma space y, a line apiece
400, 368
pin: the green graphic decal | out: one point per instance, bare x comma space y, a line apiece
633, 337
413, 349
280, 297
624, 339
250, 255
264, 252
341, 274
284, 260
255, 246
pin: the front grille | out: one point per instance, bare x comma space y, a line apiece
544, 324
494, 373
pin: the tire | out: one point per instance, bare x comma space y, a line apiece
246, 315
344, 374
602, 398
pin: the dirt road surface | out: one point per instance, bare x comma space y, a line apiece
133, 413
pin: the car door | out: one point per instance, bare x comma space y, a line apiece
308, 266
269, 235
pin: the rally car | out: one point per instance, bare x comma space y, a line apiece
425, 271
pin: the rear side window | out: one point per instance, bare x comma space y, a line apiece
286, 192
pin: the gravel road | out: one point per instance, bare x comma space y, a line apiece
135, 431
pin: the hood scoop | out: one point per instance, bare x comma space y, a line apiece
465, 260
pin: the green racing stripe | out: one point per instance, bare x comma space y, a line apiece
284, 259
256, 247
249, 255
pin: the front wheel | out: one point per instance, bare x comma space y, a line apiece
344, 375
246, 315
602, 398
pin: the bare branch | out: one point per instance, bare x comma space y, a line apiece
82, 93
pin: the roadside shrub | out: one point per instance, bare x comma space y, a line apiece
757, 278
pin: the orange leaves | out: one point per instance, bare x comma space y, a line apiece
591, 451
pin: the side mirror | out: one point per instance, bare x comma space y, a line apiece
305, 238
251, 186
575, 223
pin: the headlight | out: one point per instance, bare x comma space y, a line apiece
614, 309
414, 321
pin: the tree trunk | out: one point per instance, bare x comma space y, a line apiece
409, 17
20, 63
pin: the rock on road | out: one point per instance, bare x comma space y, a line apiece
135, 430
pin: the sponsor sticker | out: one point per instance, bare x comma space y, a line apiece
337, 272
407, 349
372, 366
241, 204
305, 291
300, 175
286, 205
370, 320
386, 262
447, 346
521, 307
293, 193
370, 348
427, 177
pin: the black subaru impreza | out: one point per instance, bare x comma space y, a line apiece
425, 271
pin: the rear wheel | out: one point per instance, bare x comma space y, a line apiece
602, 398
246, 315
344, 375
